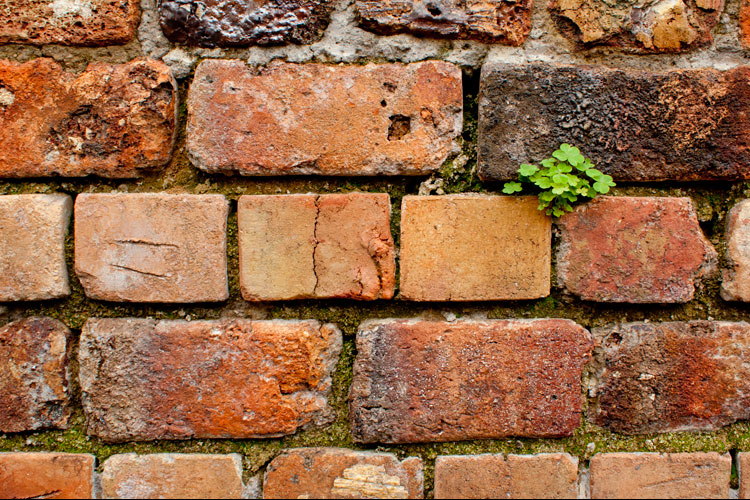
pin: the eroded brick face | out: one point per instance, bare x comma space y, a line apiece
341, 473
743, 465
145, 380
389, 119
113, 120
46, 475
448, 387
735, 284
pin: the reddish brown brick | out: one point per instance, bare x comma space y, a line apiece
736, 278
663, 377
651, 475
322, 246
340, 473
46, 475
639, 250
553, 475
111, 120
32, 247
153, 247
145, 380
172, 475
390, 119
418, 381
34, 375
474, 247
745, 23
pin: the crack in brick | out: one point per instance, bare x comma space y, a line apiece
315, 246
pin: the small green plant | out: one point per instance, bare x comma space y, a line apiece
560, 186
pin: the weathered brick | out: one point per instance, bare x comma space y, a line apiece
341, 473
34, 375
635, 125
113, 120
490, 21
32, 247
388, 119
322, 246
743, 469
153, 247
663, 377
172, 475
211, 23
553, 475
631, 249
652, 475
46, 475
736, 278
418, 381
474, 247
145, 380
91, 22
745, 23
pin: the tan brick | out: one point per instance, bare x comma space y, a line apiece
316, 246
144, 380
474, 247
172, 475
34, 375
736, 278
152, 247
112, 120
419, 381
46, 475
553, 475
32, 247
743, 469
341, 473
390, 119
651, 475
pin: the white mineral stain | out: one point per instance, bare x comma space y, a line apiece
7, 97
369, 481
72, 7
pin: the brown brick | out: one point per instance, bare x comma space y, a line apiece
340, 473
46, 475
634, 125
736, 278
90, 22
322, 246
490, 21
153, 247
743, 469
474, 247
651, 475
663, 377
629, 249
390, 119
418, 381
745, 23
145, 380
34, 375
172, 475
553, 475
111, 120
32, 247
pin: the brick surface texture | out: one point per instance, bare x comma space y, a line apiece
449, 389
735, 284
743, 469
46, 475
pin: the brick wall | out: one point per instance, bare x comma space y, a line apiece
264, 253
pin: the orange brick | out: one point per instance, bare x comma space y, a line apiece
46, 475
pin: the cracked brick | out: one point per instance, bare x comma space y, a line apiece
46, 475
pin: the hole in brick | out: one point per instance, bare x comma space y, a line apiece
434, 9
400, 126
383, 103
615, 338
390, 87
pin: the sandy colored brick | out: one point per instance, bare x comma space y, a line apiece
653, 475
474, 247
112, 120
46, 475
153, 247
172, 475
743, 469
388, 119
735, 284
316, 246
552, 475
420, 381
144, 380
341, 473
32, 247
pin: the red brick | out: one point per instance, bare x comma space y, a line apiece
46, 475
144, 380
638, 250
651, 475
316, 246
418, 381
390, 119
745, 23
340, 473
153, 247
474, 247
34, 375
736, 277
